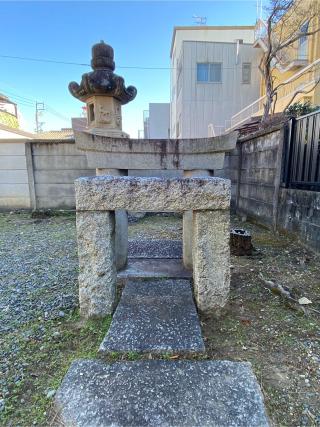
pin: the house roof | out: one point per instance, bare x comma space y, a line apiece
5, 99
65, 133
16, 131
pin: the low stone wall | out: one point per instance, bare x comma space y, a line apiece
255, 170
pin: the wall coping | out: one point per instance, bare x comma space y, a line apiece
262, 132
52, 141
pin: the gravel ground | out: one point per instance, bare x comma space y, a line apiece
41, 333
38, 268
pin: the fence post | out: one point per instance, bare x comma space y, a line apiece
289, 134
30, 171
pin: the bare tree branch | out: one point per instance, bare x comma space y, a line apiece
305, 92
288, 22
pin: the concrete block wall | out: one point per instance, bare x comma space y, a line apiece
299, 212
257, 178
231, 171
55, 167
14, 181
41, 174
255, 170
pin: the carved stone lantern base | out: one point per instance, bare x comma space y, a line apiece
104, 116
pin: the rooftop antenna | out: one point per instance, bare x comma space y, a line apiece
200, 20
259, 10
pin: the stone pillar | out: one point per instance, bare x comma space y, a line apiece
187, 220
97, 269
211, 259
121, 228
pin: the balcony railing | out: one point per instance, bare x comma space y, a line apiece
304, 80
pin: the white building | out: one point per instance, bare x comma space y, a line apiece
214, 74
157, 121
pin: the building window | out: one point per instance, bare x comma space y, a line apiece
246, 73
209, 72
303, 42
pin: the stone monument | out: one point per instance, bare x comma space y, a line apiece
104, 92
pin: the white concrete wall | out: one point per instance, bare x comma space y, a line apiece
159, 120
200, 104
210, 34
14, 183
207, 103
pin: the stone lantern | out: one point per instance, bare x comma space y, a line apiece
104, 93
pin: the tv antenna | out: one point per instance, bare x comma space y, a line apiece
200, 20
259, 10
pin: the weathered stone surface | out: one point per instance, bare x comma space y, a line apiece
152, 194
211, 259
97, 273
121, 230
147, 248
188, 219
102, 80
155, 316
160, 393
152, 268
185, 154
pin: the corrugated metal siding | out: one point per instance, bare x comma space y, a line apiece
205, 103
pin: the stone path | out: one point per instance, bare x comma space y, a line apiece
146, 248
159, 267
155, 316
161, 393
158, 316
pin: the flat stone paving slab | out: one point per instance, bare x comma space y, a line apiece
160, 393
161, 248
152, 268
156, 316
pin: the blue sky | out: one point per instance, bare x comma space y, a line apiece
139, 31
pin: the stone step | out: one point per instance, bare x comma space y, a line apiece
152, 268
160, 393
155, 248
155, 316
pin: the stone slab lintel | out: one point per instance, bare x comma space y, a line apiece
152, 194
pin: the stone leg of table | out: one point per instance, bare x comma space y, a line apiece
97, 267
211, 259
187, 220
121, 233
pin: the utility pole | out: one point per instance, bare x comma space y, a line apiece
39, 110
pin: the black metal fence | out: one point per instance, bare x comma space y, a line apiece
302, 153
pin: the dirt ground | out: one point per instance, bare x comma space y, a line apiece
280, 340
38, 265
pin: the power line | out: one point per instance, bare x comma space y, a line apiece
39, 107
133, 67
